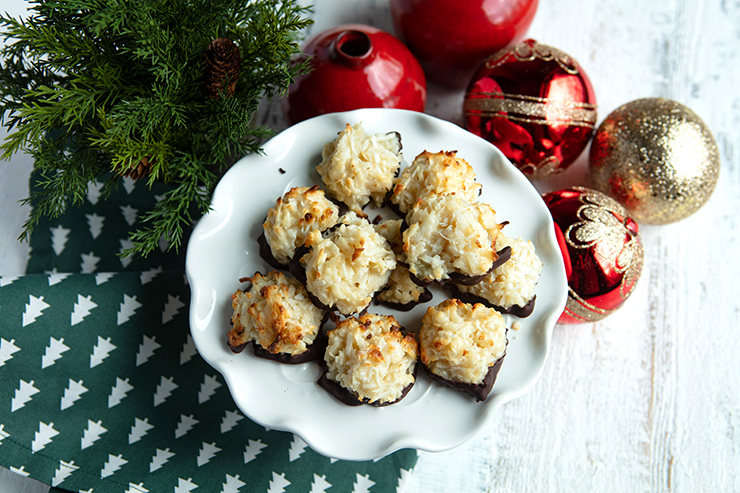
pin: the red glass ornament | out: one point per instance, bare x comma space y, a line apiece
602, 251
535, 104
355, 66
451, 37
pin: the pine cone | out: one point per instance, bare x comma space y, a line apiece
140, 170
223, 62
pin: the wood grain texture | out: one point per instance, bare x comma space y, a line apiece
649, 398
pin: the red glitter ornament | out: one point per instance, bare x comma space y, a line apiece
602, 251
535, 104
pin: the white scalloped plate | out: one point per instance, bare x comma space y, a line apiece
223, 248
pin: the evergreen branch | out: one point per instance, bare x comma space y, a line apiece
94, 88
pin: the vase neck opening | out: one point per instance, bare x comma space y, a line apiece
353, 48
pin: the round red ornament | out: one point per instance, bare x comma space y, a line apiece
601, 248
355, 66
451, 37
536, 104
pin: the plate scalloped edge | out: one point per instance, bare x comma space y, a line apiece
432, 418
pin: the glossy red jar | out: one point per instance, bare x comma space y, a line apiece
355, 66
451, 38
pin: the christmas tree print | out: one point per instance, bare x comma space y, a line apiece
164, 243
103, 277
138, 430
101, 350
297, 447
363, 484
7, 280
126, 244
403, 479
207, 452
65, 470
147, 276
91, 434
171, 308
129, 184
43, 437
232, 484
164, 390
185, 424
278, 483
23, 394
72, 394
129, 214
118, 392
136, 488
114, 463
127, 309
320, 484
95, 224
34, 307
7, 350
56, 277
20, 470
208, 388
146, 350
160, 459
3, 434
188, 350
89, 263
230, 420
53, 352
252, 450
185, 485
59, 237
93, 191
81, 309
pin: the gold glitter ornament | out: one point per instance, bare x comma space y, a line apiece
657, 158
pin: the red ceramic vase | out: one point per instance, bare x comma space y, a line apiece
536, 104
451, 38
602, 251
355, 66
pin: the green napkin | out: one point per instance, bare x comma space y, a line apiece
102, 389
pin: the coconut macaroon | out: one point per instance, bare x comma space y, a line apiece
295, 214
346, 265
450, 238
463, 345
434, 173
358, 167
400, 292
510, 287
369, 360
276, 314
390, 229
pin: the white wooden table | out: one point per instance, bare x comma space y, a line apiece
649, 398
